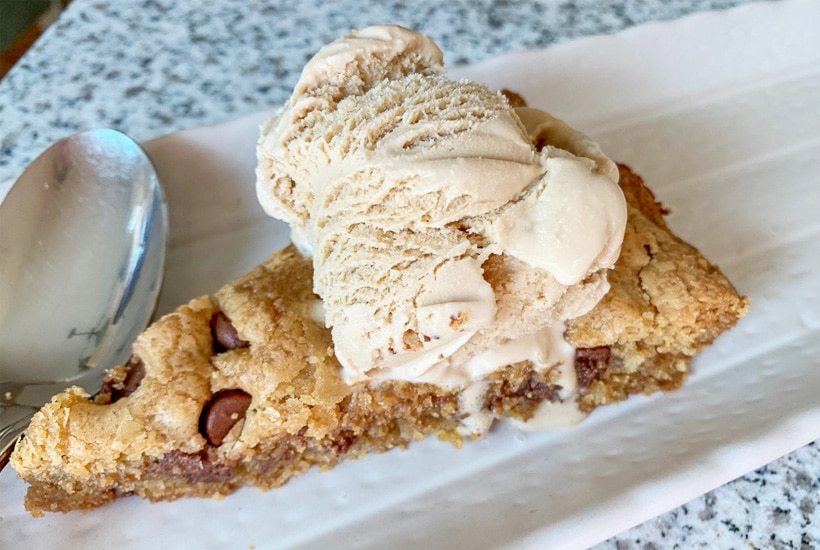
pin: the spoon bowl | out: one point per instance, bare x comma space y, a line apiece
83, 234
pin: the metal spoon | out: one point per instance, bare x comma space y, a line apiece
83, 234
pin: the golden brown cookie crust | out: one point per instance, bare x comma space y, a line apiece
666, 303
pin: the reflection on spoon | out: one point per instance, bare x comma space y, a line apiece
83, 235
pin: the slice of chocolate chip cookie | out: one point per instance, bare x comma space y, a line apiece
243, 388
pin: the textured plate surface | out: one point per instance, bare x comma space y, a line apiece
719, 113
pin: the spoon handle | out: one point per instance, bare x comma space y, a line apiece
12, 430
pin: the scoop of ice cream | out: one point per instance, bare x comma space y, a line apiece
439, 227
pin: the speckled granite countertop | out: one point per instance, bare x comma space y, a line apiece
150, 67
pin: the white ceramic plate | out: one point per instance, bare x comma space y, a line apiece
719, 112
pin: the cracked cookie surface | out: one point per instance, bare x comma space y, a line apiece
666, 303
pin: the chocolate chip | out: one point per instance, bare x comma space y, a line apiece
589, 362
221, 413
225, 335
133, 378
527, 394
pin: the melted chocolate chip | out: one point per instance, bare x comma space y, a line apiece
133, 379
195, 467
344, 442
589, 363
539, 391
224, 333
221, 413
